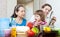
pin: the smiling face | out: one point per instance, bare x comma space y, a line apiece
37, 17
46, 10
21, 12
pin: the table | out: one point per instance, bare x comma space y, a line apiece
51, 34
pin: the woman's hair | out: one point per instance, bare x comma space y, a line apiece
41, 14
16, 9
47, 5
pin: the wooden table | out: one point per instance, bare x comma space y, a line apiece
21, 34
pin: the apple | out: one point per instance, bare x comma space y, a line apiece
30, 25
30, 33
35, 30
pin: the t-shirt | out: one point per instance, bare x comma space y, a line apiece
13, 23
40, 23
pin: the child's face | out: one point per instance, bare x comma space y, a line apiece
21, 12
37, 17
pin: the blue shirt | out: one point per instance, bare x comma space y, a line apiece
13, 23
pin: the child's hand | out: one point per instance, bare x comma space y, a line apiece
53, 20
36, 24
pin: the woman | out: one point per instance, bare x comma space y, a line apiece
18, 16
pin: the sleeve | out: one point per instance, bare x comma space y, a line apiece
24, 22
10, 22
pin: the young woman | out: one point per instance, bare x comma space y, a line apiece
17, 19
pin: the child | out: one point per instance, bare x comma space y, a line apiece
39, 19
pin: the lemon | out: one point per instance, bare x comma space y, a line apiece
47, 29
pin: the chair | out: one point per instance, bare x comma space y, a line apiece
4, 24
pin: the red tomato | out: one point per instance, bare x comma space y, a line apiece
30, 33
30, 25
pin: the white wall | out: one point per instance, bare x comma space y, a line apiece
36, 5
10, 7
56, 9
29, 10
3, 6
6, 7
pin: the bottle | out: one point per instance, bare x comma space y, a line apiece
13, 32
13, 28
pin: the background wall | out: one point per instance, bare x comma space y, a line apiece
3, 6
6, 7
29, 10
10, 7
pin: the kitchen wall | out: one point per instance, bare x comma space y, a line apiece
6, 7
29, 10
3, 6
